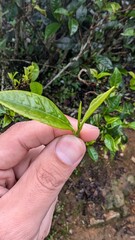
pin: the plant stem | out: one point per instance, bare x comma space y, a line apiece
77, 133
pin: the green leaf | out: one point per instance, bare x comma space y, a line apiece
109, 142
12, 75
132, 74
2, 110
62, 11
34, 72
110, 119
3, 44
74, 5
73, 26
99, 3
13, 79
94, 72
96, 119
65, 43
103, 63
6, 121
27, 72
116, 123
117, 142
36, 87
81, 13
41, 10
92, 153
132, 84
97, 75
112, 7
115, 7
79, 114
132, 81
129, 32
131, 13
34, 106
55, 4
131, 125
103, 74
51, 29
96, 102
113, 103
116, 78
127, 109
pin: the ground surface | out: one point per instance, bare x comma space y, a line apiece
98, 202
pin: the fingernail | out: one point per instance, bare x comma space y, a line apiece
91, 126
70, 149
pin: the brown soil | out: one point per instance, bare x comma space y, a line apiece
98, 201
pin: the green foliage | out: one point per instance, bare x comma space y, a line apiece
79, 114
103, 63
73, 26
36, 87
62, 11
29, 77
129, 32
111, 121
97, 75
110, 143
51, 29
6, 116
6, 121
31, 73
39, 9
116, 78
63, 17
131, 125
132, 80
111, 25
54, 4
14, 80
92, 153
112, 7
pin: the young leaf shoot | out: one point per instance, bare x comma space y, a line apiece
96, 102
36, 107
42, 109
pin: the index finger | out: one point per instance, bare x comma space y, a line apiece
23, 136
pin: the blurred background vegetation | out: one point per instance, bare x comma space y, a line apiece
77, 48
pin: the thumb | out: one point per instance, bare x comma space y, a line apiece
38, 188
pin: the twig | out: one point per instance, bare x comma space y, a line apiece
75, 59
59, 74
0, 19
81, 79
45, 65
91, 92
2, 78
15, 60
17, 38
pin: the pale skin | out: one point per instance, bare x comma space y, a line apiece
35, 162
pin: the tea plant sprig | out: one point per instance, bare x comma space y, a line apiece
96, 102
42, 109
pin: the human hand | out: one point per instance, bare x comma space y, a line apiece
35, 162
